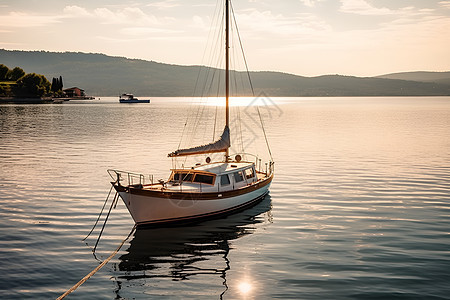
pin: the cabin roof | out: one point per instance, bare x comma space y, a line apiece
217, 168
223, 167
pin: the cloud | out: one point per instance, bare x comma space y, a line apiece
164, 4
76, 11
310, 3
127, 15
145, 31
130, 21
361, 7
279, 24
445, 4
199, 22
411, 16
20, 19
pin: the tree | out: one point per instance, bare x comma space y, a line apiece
33, 85
5, 90
53, 84
57, 84
3, 71
15, 74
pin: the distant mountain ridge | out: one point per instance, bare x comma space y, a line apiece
438, 77
102, 75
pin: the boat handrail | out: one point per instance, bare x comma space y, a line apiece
126, 178
258, 163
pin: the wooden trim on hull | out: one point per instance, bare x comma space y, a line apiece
202, 217
195, 195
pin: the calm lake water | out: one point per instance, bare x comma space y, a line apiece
359, 207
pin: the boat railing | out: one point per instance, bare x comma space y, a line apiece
130, 179
269, 166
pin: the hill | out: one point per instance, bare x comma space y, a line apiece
437, 77
102, 75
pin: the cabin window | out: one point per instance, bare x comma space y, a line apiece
187, 177
249, 173
182, 177
201, 178
224, 180
238, 176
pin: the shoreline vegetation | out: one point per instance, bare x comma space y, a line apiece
16, 86
103, 75
15, 83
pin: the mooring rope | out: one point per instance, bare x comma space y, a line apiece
97, 268
113, 204
101, 212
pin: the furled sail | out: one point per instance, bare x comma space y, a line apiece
221, 145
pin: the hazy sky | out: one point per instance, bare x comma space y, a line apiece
304, 37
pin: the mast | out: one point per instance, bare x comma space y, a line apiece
227, 72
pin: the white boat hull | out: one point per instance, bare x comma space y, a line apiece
162, 207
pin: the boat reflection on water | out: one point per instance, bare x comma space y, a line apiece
185, 252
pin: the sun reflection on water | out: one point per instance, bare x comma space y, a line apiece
236, 101
245, 287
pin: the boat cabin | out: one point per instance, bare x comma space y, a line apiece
127, 97
220, 176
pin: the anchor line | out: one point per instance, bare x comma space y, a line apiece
101, 212
85, 278
113, 204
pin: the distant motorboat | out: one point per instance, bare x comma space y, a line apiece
129, 98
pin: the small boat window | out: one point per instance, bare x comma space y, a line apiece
187, 177
249, 173
201, 178
238, 176
224, 180
182, 177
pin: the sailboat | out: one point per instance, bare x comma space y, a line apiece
204, 190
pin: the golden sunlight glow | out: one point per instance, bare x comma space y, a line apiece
238, 101
245, 287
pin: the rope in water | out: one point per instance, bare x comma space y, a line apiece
97, 268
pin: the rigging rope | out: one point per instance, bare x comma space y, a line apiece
201, 70
240, 129
242, 49
251, 84
215, 122
264, 131
208, 78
